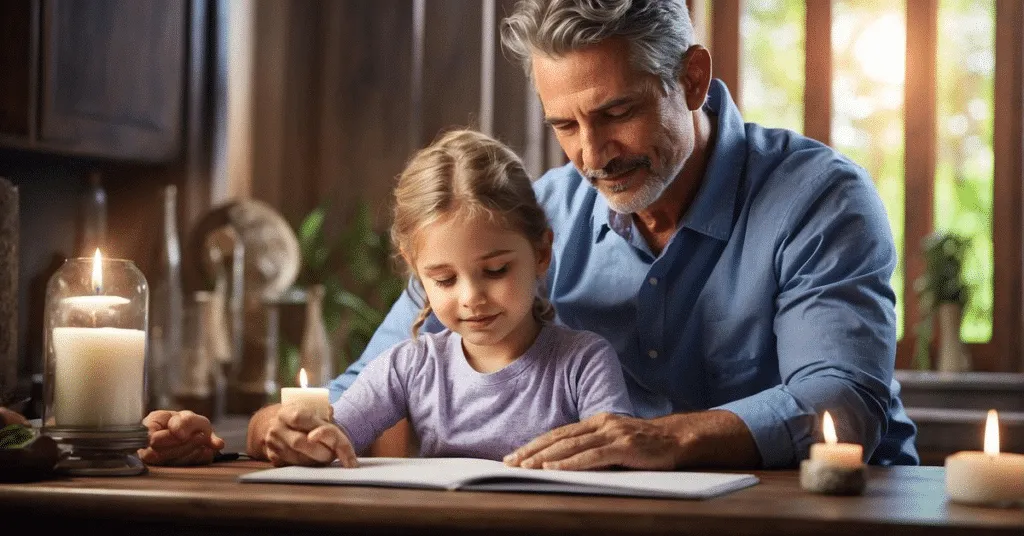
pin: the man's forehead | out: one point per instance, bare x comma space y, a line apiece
580, 81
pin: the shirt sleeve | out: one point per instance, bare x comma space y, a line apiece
376, 400
397, 327
600, 385
835, 323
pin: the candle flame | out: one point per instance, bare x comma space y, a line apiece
992, 433
97, 273
303, 380
829, 428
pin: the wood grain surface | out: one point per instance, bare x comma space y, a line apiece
897, 501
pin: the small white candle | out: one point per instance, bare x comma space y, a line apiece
313, 398
832, 452
988, 477
99, 372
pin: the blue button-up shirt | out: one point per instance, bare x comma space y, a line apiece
771, 300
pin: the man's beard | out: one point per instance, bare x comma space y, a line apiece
648, 192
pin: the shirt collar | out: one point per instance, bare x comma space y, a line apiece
713, 208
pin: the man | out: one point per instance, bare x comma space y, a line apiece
741, 273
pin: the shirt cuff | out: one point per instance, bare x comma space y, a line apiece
768, 415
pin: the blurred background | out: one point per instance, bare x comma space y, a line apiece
312, 107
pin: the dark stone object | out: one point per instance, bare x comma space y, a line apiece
32, 462
827, 479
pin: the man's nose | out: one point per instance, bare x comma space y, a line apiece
595, 148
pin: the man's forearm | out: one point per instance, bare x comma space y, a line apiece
714, 438
256, 434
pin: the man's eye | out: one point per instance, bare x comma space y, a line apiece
445, 282
618, 112
498, 272
563, 127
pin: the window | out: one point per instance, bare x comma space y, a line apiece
926, 96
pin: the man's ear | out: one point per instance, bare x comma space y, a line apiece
544, 253
695, 76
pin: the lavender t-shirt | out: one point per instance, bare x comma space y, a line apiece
565, 376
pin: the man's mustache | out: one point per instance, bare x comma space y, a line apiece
618, 166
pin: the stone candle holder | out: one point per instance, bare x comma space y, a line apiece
828, 479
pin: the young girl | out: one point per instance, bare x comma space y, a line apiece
477, 246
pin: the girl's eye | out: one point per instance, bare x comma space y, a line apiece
445, 282
498, 272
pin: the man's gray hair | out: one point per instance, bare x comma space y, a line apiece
658, 31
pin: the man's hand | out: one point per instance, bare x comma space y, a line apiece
604, 440
179, 438
297, 436
716, 438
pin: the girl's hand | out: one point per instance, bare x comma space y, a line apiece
297, 436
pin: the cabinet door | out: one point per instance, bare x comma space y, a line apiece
16, 74
113, 74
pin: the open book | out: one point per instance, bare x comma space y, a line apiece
488, 475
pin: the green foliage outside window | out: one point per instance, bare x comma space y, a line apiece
867, 124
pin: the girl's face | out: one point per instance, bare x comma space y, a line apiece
481, 281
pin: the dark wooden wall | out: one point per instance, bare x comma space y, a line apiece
344, 92
51, 184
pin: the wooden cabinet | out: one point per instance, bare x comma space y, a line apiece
102, 78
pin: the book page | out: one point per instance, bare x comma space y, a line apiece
665, 484
434, 473
489, 475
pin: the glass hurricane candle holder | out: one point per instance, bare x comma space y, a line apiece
94, 333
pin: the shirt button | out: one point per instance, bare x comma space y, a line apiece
653, 281
653, 354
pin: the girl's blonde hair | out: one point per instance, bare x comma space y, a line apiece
466, 173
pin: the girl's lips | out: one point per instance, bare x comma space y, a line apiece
480, 319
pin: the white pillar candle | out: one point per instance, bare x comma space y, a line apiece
989, 477
834, 453
313, 398
98, 376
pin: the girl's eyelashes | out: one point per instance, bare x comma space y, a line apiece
498, 272
495, 273
445, 282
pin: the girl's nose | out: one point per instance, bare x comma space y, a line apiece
473, 294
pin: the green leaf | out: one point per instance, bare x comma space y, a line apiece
360, 307
311, 228
15, 436
288, 362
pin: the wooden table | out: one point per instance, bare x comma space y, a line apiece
905, 500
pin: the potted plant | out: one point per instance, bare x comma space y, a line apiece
943, 294
359, 285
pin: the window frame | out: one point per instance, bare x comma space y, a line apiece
1003, 351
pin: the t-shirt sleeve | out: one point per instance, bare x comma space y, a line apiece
377, 398
600, 385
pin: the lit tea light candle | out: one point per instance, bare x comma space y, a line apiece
99, 372
98, 301
988, 477
313, 398
833, 468
834, 453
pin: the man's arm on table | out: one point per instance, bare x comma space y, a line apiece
835, 325
836, 342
